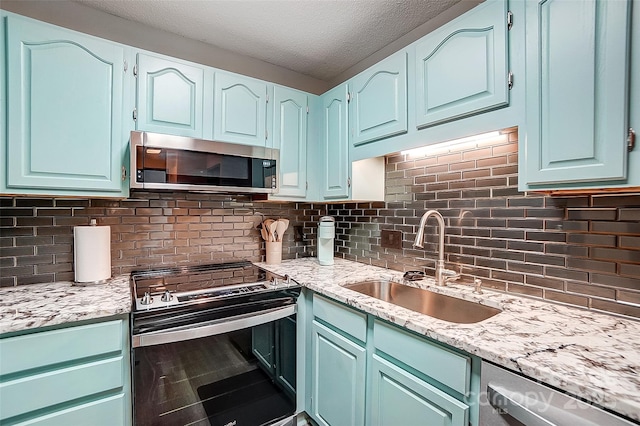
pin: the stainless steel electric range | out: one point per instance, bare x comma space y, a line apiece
213, 344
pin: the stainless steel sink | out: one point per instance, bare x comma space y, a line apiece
435, 305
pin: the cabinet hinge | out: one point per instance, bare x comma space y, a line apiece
135, 70
307, 109
126, 66
349, 182
267, 98
135, 114
348, 97
510, 80
509, 20
266, 135
124, 173
306, 185
631, 139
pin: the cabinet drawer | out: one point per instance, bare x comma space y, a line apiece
31, 393
343, 318
103, 412
443, 365
57, 346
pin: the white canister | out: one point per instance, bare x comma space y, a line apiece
326, 236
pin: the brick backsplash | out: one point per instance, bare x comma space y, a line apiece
36, 234
582, 250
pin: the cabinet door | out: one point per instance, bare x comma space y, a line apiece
461, 68
577, 82
290, 137
170, 97
335, 145
262, 345
398, 397
65, 111
240, 109
338, 378
378, 105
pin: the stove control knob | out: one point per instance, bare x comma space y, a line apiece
146, 299
166, 297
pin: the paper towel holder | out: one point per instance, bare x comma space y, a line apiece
91, 262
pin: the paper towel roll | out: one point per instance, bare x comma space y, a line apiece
92, 253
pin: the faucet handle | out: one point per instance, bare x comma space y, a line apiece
449, 275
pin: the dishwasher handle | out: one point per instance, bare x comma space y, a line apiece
518, 406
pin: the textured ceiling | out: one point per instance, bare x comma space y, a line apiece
319, 38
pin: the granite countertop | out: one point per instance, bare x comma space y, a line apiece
594, 356
40, 305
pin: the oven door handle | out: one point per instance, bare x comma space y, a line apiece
212, 328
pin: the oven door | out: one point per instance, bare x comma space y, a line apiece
238, 370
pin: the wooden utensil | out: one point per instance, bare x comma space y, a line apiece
280, 228
266, 225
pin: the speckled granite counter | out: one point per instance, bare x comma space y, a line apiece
41, 305
591, 355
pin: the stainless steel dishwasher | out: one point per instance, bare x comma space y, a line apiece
507, 398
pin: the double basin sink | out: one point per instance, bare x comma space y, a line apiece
426, 302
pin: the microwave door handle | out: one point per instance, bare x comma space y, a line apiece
226, 325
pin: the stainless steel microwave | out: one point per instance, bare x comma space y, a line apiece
168, 162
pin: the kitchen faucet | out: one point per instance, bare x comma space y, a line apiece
442, 275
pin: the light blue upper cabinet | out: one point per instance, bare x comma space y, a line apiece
240, 109
577, 92
461, 68
335, 144
170, 96
290, 137
378, 104
65, 110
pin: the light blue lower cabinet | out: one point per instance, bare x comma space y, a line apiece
338, 378
75, 375
400, 398
103, 412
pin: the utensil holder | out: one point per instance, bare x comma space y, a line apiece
274, 252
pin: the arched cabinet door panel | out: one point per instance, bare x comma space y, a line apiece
170, 97
290, 137
240, 109
65, 111
462, 68
378, 101
335, 145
